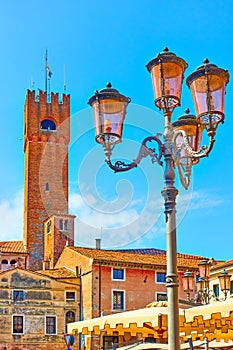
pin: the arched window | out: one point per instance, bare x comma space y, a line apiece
69, 317
4, 264
48, 124
13, 262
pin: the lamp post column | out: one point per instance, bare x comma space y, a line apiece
169, 193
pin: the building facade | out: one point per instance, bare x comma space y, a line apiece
35, 308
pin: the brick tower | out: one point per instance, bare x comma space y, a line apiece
46, 139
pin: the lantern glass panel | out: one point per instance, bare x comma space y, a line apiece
109, 115
215, 87
225, 281
200, 284
204, 269
188, 282
167, 79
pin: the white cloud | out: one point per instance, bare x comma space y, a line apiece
205, 200
116, 227
132, 222
11, 213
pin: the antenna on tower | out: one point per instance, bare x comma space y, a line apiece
64, 87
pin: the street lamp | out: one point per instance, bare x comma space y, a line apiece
180, 147
225, 282
204, 293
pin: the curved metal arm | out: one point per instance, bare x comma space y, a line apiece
143, 152
184, 173
184, 144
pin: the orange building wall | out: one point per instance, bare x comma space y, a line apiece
137, 292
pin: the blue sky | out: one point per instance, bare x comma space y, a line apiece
109, 41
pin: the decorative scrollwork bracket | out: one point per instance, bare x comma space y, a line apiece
145, 150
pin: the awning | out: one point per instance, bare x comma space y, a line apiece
196, 344
148, 321
211, 321
214, 320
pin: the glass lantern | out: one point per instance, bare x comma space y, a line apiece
167, 72
204, 269
207, 85
193, 130
225, 281
109, 110
188, 282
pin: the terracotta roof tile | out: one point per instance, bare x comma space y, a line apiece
183, 260
58, 273
12, 247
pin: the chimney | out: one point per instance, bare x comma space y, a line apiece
78, 271
97, 243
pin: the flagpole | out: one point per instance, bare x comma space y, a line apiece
46, 76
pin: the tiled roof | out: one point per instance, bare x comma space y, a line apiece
183, 260
151, 251
12, 247
58, 273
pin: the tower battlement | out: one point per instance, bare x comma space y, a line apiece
40, 102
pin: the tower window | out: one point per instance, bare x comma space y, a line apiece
49, 226
46, 186
48, 124
63, 225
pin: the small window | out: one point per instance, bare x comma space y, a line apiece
13, 262
47, 187
231, 288
49, 226
17, 327
160, 277
161, 296
70, 317
216, 290
66, 225
118, 300
4, 265
50, 325
70, 296
63, 225
108, 341
118, 274
47, 124
18, 295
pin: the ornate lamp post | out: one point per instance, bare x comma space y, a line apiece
180, 147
